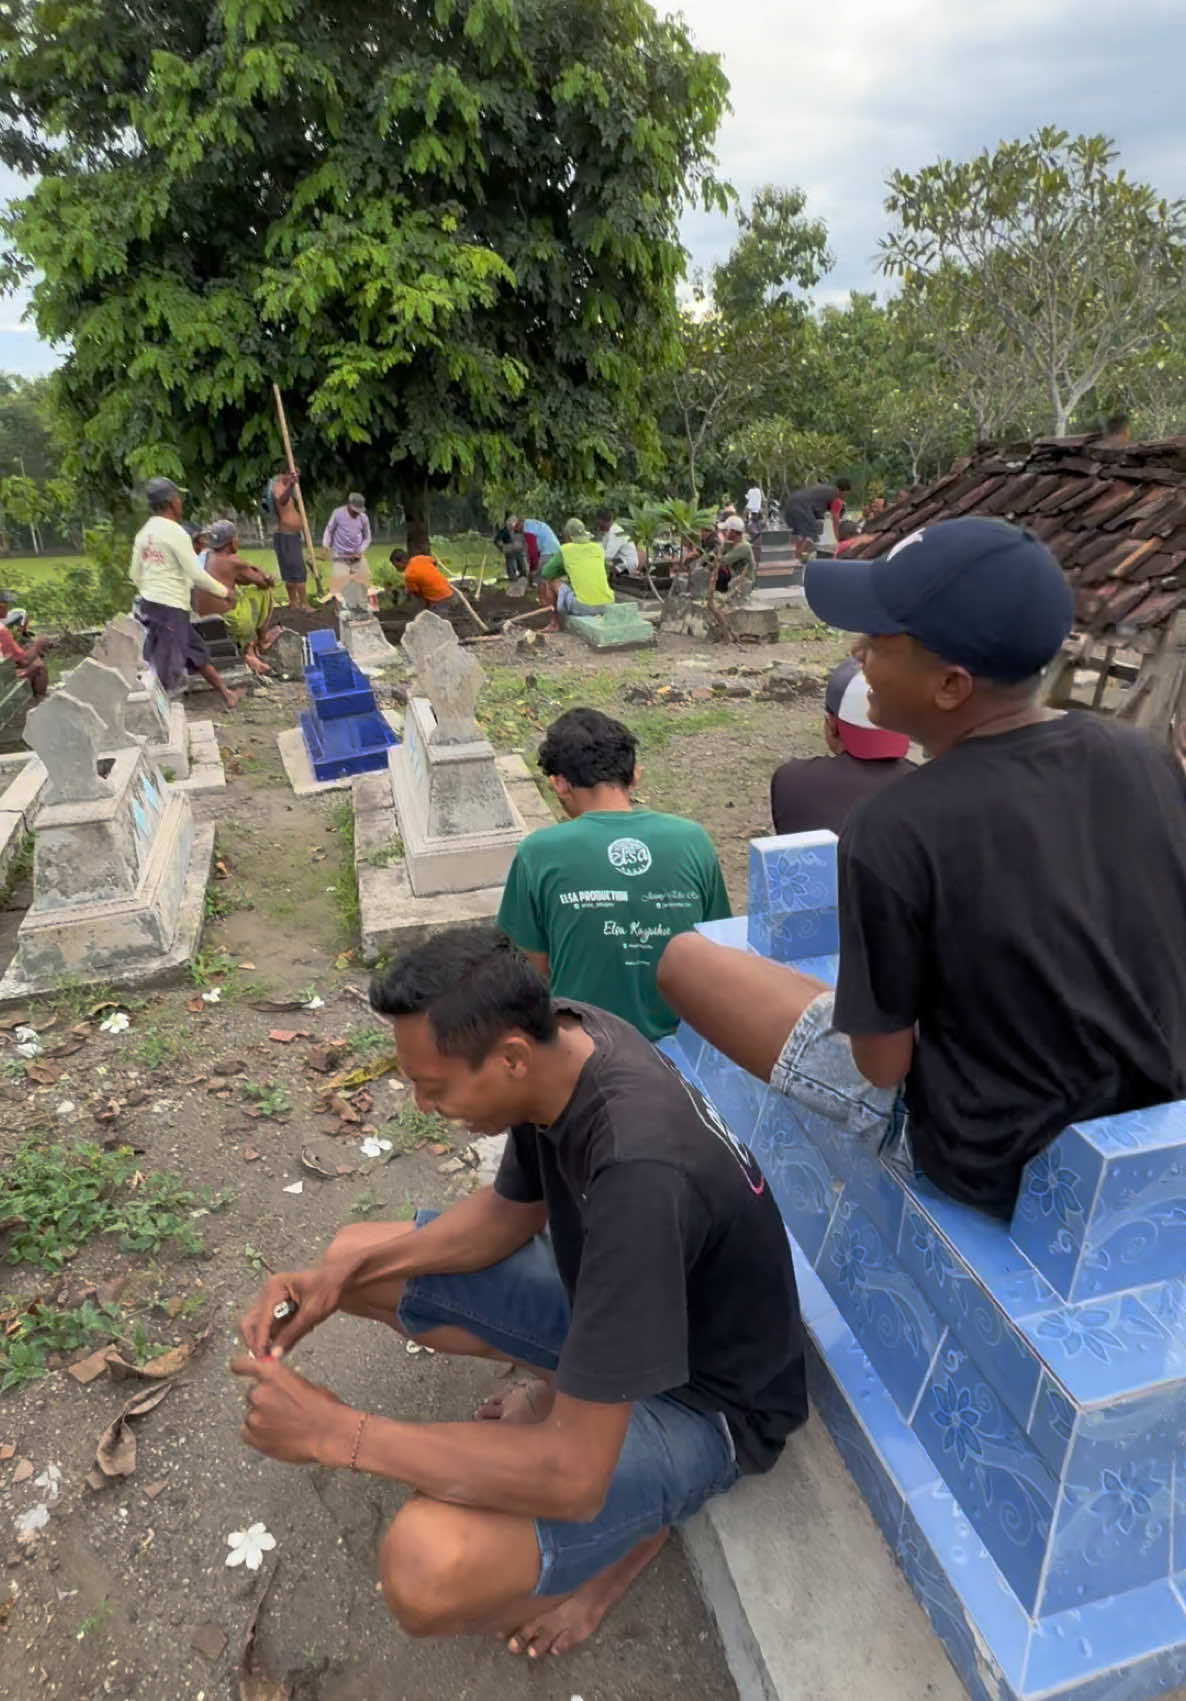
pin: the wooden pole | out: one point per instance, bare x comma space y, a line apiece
481, 576
300, 501
465, 602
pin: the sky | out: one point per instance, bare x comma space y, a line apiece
834, 96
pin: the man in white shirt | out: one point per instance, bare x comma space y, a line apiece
165, 571
621, 553
753, 502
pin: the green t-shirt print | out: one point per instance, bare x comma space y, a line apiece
602, 895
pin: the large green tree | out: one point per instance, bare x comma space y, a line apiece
447, 228
1043, 254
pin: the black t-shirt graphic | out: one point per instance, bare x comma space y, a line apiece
669, 1244
1023, 900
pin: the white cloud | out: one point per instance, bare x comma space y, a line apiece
834, 98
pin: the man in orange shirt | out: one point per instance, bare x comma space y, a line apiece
424, 585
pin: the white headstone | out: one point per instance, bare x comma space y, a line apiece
448, 676
121, 645
68, 736
106, 690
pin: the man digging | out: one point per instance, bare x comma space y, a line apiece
659, 1313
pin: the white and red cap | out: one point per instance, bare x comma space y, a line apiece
847, 700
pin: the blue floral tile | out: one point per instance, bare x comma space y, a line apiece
855, 1448
736, 1094
1005, 1358
1126, 1648
1112, 1530
731, 930
876, 1189
794, 872
1137, 1230
1105, 1349
1057, 1191
1146, 1130
1051, 1422
934, 1550
796, 1172
879, 1302
1003, 1487
983, 1243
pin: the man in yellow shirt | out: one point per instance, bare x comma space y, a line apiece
165, 571
575, 581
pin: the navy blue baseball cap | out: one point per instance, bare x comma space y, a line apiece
979, 592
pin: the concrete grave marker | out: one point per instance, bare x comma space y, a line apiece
121, 645
450, 677
68, 735
361, 634
105, 688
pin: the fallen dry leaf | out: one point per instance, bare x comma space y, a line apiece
137, 1095
163, 1365
110, 1111
282, 1036
325, 1058
65, 1048
437, 1148
209, 1640
45, 1074
221, 871
89, 1368
365, 1072
98, 1009
231, 1066
17, 1019
342, 1108
152, 1489
250, 1154
175, 1305
7, 1449
22, 1471
115, 1455
192, 1081
244, 965
195, 1006
44, 1023
276, 1006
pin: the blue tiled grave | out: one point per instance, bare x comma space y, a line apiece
344, 732
1010, 1397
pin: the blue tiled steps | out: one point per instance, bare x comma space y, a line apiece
344, 732
1011, 1398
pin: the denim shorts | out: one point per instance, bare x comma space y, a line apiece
673, 1458
566, 602
815, 1067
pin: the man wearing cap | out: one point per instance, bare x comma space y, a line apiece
814, 792
249, 618
575, 580
165, 571
30, 665
1012, 914
346, 541
736, 571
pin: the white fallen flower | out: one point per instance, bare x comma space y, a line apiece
26, 1034
29, 1048
315, 1003
294, 1187
413, 1348
66, 1108
249, 1546
213, 995
117, 1023
50, 1480
373, 1147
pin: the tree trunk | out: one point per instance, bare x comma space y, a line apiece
414, 490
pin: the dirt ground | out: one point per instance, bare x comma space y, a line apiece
124, 1591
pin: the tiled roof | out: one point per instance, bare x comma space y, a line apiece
1115, 519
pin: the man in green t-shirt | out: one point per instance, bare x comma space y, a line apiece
575, 581
593, 900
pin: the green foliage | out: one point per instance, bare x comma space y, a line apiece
411, 1128
785, 457
345, 884
268, 1097
685, 519
777, 252
1042, 254
42, 1330
404, 217
85, 594
367, 1043
60, 1198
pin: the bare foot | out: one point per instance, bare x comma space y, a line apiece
559, 1627
254, 662
522, 1402
231, 698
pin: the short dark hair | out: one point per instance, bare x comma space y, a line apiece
587, 748
398, 554
844, 484
473, 985
603, 519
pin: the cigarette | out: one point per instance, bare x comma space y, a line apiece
284, 1310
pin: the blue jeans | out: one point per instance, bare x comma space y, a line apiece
673, 1458
566, 602
815, 1067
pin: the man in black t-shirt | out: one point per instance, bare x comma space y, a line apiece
1012, 915
659, 1311
809, 793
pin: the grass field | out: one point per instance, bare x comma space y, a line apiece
460, 554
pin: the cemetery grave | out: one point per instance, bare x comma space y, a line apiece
124, 1591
